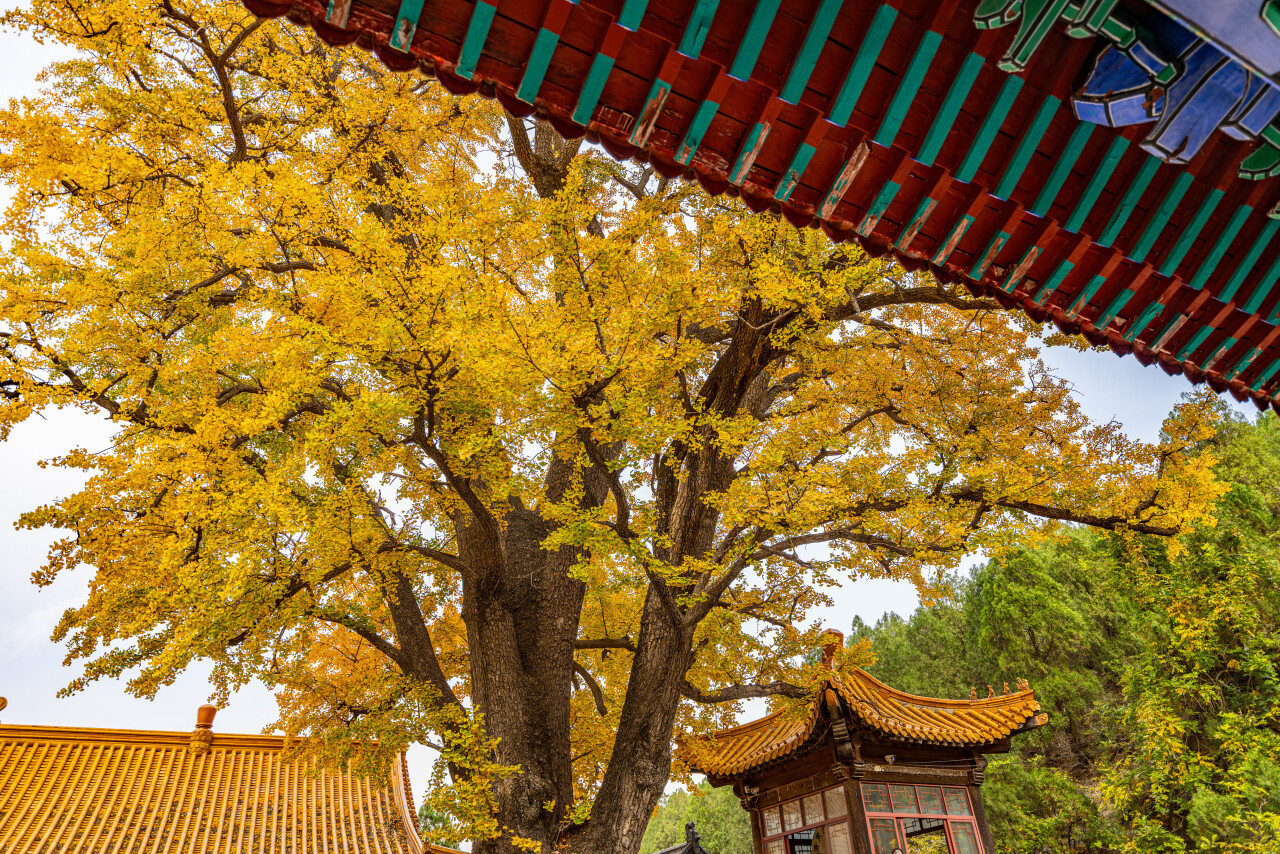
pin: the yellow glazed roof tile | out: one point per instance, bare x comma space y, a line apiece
874, 706
101, 791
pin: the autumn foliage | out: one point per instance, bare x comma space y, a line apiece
454, 432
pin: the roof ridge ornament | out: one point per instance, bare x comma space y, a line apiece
202, 735
832, 641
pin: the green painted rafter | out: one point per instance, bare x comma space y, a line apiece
544, 46
1188, 234
1027, 147
1160, 216
473, 42
1225, 238
1129, 201
1062, 168
1250, 261
628, 21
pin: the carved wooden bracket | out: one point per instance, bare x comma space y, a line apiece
978, 772
848, 745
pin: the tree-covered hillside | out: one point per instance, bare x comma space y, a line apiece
720, 820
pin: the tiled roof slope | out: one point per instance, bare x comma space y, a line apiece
890, 122
733, 751
960, 723
105, 791
873, 706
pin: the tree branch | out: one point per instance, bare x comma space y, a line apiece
606, 643
741, 692
295, 587
934, 295
1109, 523
450, 560
377, 641
593, 687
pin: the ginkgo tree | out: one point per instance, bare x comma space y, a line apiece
454, 432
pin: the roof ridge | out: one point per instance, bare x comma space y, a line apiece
139, 736
937, 702
152, 736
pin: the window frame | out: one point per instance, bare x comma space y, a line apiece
846, 819
896, 817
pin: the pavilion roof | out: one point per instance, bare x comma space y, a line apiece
941, 131
66, 790
872, 706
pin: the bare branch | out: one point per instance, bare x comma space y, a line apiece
593, 687
741, 692
606, 643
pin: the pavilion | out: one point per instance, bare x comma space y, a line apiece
865, 768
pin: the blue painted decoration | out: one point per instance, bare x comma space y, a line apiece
1190, 67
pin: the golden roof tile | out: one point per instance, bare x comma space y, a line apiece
874, 706
86, 791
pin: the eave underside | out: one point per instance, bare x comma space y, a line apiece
1188, 287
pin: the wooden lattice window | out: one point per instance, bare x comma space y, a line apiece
814, 824
932, 818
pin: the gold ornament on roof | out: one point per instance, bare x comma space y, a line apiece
202, 735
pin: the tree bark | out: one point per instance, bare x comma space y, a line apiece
641, 760
522, 618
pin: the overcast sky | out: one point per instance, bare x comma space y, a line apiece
31, 668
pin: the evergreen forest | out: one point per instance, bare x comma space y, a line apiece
1157, 665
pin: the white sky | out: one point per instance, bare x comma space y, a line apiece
31, 668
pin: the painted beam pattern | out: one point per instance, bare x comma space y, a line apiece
903, 125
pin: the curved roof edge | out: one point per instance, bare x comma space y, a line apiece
893, 714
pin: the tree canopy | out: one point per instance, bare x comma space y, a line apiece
454, 432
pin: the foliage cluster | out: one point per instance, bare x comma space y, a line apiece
1159, 672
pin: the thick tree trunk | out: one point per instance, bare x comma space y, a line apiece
521, 635
641, 760
522, 617
522, 612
